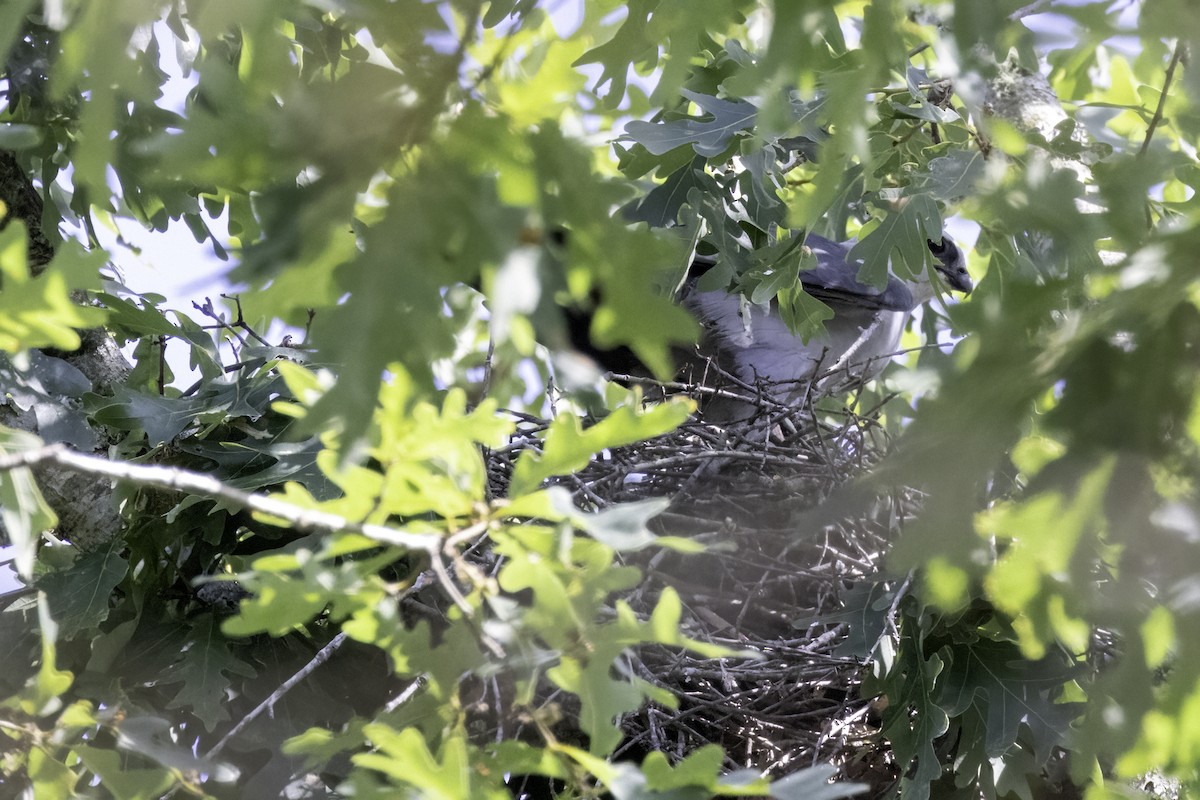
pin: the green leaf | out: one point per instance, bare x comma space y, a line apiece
700, 768
39, 312
411, 648
51, 778
1008, 691
914, 719
626, 782
405, 757
904, 234
662, 205
568, 447
80, 595
279, 605
602, 698
23, 510
814, 784
708, 136
865, 608
631, 45
623, 527
953, 176
118, 778
319, 745
803, 313
202, 670
42, 694
161, 418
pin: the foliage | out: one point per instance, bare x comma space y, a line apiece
377, 168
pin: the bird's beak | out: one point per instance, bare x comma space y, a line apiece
961, 282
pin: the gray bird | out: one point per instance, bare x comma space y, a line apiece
752, 342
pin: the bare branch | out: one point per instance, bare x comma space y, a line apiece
320, 658
1025, 11
302, 519
1176, 57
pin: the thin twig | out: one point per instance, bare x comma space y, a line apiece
320, 658
1025, 11
240, 322
162, 365
1162, 98
422, 580
418, 683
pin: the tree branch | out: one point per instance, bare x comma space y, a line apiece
1176, 57
301, 519
320, 658
1025, 11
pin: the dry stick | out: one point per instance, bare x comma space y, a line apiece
1176, 57
240, 322
410, 690
1025, 11
320, 658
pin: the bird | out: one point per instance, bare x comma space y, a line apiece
753, 343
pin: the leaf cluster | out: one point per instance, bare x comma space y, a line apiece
401, 174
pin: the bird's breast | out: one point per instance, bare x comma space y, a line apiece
754, 343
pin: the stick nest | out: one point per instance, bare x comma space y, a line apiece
766, 580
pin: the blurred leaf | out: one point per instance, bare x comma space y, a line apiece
700, 769
39, 312
117, 777
151, 737
23, 510
623, 527
19, 137
814, 784
51, 778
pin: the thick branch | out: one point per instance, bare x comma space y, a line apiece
302, 519
24, 203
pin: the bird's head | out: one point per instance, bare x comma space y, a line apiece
951, 264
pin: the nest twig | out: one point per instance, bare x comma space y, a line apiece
739, 489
